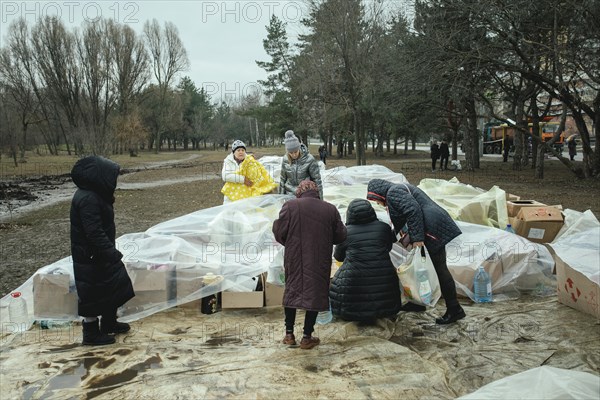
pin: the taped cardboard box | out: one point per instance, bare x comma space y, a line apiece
53, 297
575, 289
538, 224
255, 299
514, 206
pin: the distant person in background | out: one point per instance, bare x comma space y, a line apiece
297, 165
572, 145
323, 154
308, 227
102, 282
231, 166
366, 286
506, 144
435, 154
444, 155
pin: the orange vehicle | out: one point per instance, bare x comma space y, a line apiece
494, 134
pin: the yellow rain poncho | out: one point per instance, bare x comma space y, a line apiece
262, 182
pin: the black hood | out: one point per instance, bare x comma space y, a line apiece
360, 212
97, 174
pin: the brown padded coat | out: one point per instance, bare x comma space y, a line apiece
308, 227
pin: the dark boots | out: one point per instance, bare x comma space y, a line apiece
110, 325
452, 314
92, 335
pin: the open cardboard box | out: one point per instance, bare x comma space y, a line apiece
538, 224
514, 206
53, 297
575, 289
255, 299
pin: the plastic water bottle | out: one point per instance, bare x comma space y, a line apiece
482, 286
424, 286
325, 317
17, 311
509, 228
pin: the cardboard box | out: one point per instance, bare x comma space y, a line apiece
575, 289
512, 197
188, 282
514, 206
273, 295
150, 286
538, 224
255, 299
53, 297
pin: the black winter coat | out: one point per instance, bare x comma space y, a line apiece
102, 281
366, 286
408, 205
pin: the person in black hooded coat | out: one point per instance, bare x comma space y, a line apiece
366, 286
428, 225
102, 282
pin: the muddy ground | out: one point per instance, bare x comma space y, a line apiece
34, 209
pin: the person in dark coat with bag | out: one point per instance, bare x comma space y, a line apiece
427, 225
366, 286
308, 227
102, 282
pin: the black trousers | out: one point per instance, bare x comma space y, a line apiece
433, 162
444, 162
310, 318
447, 285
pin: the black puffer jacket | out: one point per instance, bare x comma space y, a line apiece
366, 285
102, 282
408, 205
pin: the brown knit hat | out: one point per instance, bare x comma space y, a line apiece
305, 186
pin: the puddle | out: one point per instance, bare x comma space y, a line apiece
71, 377
104, 383
63, 348
221, 340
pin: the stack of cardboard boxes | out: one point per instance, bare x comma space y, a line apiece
533, 220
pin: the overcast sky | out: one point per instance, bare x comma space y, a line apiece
223, 39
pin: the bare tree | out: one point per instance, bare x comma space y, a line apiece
168, 58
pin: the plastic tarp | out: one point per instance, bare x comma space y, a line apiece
578, 243
468, 203
234, 242
541, 383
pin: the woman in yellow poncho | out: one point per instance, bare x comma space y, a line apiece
244, 176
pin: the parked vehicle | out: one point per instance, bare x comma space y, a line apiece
494, 134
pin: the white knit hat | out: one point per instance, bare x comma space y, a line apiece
291, 142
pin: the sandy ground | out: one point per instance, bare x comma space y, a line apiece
181, 354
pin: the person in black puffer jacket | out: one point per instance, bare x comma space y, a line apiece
428, 225
102, 282
366, 286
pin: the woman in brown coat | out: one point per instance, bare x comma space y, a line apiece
308, 227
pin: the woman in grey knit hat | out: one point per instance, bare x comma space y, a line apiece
297, 165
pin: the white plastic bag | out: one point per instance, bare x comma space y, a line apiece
413, 290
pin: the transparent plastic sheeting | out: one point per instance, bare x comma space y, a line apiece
467, 203
541, 383
578, 242
169, 261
